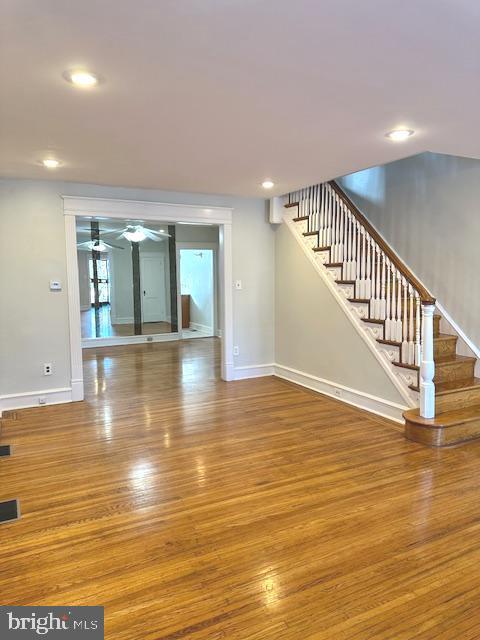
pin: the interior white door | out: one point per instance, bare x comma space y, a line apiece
152, 276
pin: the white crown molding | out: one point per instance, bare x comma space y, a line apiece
133, 209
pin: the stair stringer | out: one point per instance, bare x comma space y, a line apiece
385, 354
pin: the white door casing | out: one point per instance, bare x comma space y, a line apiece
149, 211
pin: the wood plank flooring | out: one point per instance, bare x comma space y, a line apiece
193, 508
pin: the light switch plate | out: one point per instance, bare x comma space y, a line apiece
55, 285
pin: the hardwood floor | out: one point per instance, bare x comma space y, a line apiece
107, 329
193, 508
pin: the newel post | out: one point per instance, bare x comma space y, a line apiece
427, 365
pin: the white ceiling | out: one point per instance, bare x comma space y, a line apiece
216, 95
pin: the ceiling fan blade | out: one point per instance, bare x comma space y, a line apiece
149, 234
113, 246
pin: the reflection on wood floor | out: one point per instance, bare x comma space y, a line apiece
107, 330
197, 509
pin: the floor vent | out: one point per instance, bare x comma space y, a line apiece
9, 510
5, 450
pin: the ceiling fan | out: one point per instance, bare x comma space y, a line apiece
137, 233
97, 245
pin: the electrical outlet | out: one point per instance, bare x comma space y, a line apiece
236, 351
238, 284
42, 400
149, 338
47, 369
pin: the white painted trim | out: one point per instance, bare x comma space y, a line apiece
225, 265
30, 398
354, 319
254, 371
202, 327
356, 398
74, 317
140, 209
114, 341
161, 212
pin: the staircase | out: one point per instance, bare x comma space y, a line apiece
396, 312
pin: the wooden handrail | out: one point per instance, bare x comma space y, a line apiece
425, 296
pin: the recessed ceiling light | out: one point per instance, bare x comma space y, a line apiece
50, 163
81, 78
267, 184
399, 135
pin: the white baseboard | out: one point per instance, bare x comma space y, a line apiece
201, 327
113, 341
31, 398
124, 320
253, 371
356, 398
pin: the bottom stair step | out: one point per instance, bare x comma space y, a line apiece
447, 428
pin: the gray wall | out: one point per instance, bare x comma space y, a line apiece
34, 321
428, 208
313, 334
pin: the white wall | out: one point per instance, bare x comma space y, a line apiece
312, 333
34, 327
196, 280
427, 208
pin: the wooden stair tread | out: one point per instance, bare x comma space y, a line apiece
445, 336
453, 359
310, 233
444, 388
365, 300
445, 419
392, 343
300, 219
291, 204
372, 320
333, 264
413, 367
322, 248
345, 281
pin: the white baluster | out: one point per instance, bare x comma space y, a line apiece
361, 270
398, 320
388, 302
405, 324
382, 305
359, 289
411, 336
427, 367
377, 298
368, 271
353, 274
418, 344
341, 234
393, 307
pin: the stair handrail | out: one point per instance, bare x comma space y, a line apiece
425, 296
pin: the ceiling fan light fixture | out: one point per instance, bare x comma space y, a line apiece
134, 234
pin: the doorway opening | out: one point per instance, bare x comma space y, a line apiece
198, 289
